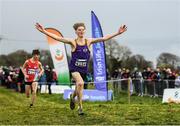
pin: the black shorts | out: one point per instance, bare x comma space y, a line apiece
83, 75
29, 83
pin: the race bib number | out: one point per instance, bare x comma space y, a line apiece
31, 72
81, 63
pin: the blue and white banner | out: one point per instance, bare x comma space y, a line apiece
91, 95
99, 60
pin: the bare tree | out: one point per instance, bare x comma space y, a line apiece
115, 50
115, 54
16, 58
137, 61
168, 60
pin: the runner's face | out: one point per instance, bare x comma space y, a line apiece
36, 57
80, 31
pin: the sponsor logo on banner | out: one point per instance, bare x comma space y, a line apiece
59, 55
91, 95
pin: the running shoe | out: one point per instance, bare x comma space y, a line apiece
80, 111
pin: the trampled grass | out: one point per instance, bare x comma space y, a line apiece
53, 110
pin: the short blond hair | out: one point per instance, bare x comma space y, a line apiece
76, 25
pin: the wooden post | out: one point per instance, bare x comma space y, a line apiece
129, 93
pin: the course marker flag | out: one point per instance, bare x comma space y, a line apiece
99, 60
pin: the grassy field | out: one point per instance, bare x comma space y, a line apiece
52, 109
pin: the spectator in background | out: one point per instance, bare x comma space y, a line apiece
171, 78
164, 73
158, 82
115, 74
3, 81
87, 79
49, 77
151, 82
125, 76
119, 73
1, 75
164, 77
55, 78
114, 77
6, 77
177, 81
42, 81
20, 80
136, 80
10, 79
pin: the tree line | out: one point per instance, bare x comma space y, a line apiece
117, 56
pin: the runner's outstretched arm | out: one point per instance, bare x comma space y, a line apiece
58, 38
121, 30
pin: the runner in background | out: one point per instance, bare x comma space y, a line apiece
32, 70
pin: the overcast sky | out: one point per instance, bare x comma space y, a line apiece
153, 25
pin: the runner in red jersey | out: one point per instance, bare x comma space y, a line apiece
32, 70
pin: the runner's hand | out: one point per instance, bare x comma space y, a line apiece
39, 27
122, 29
26, 76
